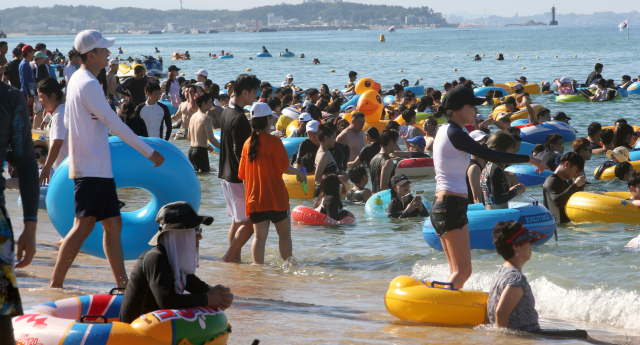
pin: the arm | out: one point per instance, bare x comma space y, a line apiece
510, 297
354, 163
530, 112
559, 198
385, 174
474, 173
500, 195
208, 129
178, 114
321, 162
167, 122
195, 285
342, 138
51, 158
124, 86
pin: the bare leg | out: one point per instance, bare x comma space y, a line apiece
112, 245
458, 251
261, 231
70, 247
284, 233
239, 234
37, 120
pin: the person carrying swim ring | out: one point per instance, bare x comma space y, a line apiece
451, 151
264, 159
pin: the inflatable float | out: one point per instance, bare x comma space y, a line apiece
416, 167
435, 302
308, 216
581, 98
634, 88
172, 110
499, 111
225, 57
93, 320
526, 148
538, 134
532, 89
376, 206
482, 91
610, 173
527, 174
610, 207
481, 222
126, 71
263, 54
130, 170
287, 54
294, 187
178, 56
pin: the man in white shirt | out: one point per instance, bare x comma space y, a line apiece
74, 59
202, 75
154, 113
89, 119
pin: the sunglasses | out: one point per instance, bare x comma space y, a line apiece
38, 155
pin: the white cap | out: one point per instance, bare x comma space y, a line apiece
565, 80
312, 126
199, 84
260, 110
284, 83
89, 40
479, 117
305, 117
477, 135
289, 76
114, 62
202, 72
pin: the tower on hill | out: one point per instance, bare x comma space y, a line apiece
553, 16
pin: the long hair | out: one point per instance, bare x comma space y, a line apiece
257, 123
330, 185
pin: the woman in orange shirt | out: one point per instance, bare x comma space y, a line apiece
264, 160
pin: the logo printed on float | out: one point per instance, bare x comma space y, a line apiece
190, 314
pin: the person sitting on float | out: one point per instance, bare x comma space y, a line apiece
511, 302
564, 86
634, 188
626, 82
521, 81
623, 172
496, 189
163, 273
328, 202
535, 118
359, 193
403, 204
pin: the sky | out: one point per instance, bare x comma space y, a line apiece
506, 8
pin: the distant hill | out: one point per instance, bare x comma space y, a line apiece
21, 18
564, 17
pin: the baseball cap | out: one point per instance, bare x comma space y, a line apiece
202, 72
399, 180
305, 117
27, 48
261, 109
178, 215
89, 40
289, 76
480, 117
620, 153
525, 235
565, 80
173, 68
312, 126
523, 78
458, 96
419, 141
114, 62
199, 84
560, 115
39, 54
477, 135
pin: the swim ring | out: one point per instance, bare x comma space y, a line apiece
294, 187
500, 110
291, 112
309, 216
287, 54
130, 170
420, 117
178, 56
416, 167
418, 90
525, 148
538, 134
290, 144
353, 101
532, 89
481, 222
225, 57
610, 207
609, 173
376, 206
519, 122
622, 92
633, 155
389, 100
93, 320
263, 54
172, 110
581, 98
634, 88
506, 87
527, 174
482, 91
435, 302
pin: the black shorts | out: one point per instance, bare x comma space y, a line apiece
96, 197
199, 157
273, 216
449, 214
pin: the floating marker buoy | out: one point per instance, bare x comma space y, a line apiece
182, 74
575, 56
400, 71
556, 55
537, 57
467, 55
482, 55
381, 54
370, 52
455, 70
407, 54
598, 58
420, 55
451, 55
394, 54
333, 71
523, 68
517, 56
248, 69
436, 55
481, 52
381, 37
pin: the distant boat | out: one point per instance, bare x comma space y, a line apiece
211, 31
155, 32
392, 29
266, 30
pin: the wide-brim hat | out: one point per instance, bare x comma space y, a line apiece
178, 216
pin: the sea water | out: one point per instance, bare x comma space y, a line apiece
334, 290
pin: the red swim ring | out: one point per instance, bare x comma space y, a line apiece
309, 216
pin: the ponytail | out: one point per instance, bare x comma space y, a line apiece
257, 123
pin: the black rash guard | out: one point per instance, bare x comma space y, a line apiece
152, 287
556, 193
495, 186
396, 209
306, 146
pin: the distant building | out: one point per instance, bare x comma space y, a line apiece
553, 16
273, 20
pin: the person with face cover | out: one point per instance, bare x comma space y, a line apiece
165, 272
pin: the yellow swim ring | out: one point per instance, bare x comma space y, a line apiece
293, 125
609, 173
413, 300
504, 86
610, 207
520, 114
294, 187
532, 89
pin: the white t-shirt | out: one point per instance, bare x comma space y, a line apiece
153, 116
174, 93
68, 72
89, 119
58, 131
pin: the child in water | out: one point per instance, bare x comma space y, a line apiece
329, 199
403, 204
359, 193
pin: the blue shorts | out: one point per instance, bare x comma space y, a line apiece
96, 197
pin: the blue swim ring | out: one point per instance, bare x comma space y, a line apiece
527, 174
482, 91
130, 170
525, 148
538, 134
263, 54
418, 90
481, 222
287, 54
634, 88
520, 122
633, 156
353, 101
225, 57
389, 100
376, 206
172, 110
